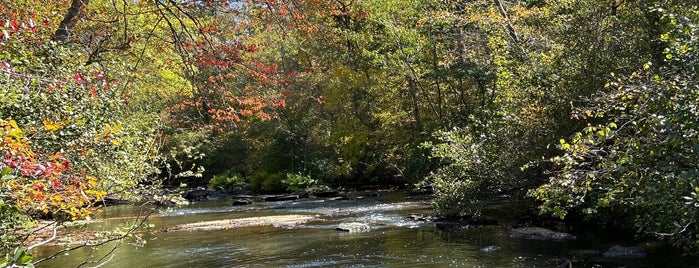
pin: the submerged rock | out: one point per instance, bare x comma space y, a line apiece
538, 233
418, 217
242, 202
338, 198
273, 198
618, 251
353, 227
490, 249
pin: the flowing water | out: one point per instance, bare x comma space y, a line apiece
392, 240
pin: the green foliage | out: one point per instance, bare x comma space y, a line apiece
296, 182
11, 219
642, 161
264, 182
227, 181
20, 258
475, 167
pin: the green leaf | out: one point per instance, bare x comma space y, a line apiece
25, 259
6, 171
21, 257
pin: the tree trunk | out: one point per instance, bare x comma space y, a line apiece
416, 103
66, 26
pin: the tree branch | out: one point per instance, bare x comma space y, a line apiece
66, 26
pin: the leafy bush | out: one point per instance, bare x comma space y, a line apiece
296, 182
227, 181
262, 181
474, 168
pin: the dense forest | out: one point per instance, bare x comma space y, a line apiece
579, 109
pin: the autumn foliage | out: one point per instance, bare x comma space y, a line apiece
43, 186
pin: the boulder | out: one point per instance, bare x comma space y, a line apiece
353, 227
618, 251
539, 233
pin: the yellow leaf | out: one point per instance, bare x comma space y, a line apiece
116, 142
52, 126
14, 130
13, 124
107, 131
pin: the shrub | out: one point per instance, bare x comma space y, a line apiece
227, 181
296, 182
262, 181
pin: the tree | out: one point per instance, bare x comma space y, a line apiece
639, 165
81, 115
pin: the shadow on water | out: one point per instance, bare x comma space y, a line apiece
392, 240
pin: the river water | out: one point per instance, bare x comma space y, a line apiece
392, 240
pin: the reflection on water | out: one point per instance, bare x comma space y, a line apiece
393, 240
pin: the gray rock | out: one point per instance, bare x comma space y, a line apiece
353, 227
338, 198
242, 202
618, 251
490, 249
539, 233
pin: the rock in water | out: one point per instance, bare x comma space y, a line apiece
490, 249
419, 217
618, 251
242, 202
353, 227
539, 233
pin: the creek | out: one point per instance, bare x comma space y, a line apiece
390, 239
